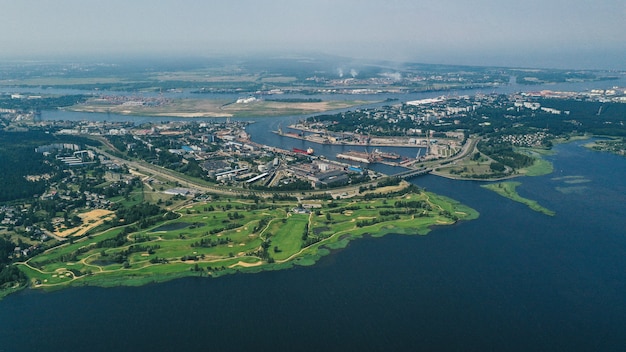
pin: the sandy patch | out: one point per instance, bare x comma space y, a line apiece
135, 173
246, 265
195, 114
90, 219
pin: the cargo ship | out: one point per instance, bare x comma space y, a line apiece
364, 158
387, 155
309, 151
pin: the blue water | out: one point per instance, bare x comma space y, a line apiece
514, 279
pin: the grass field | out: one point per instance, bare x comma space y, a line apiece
540, 166
235, 235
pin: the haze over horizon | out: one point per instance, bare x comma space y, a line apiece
576, 34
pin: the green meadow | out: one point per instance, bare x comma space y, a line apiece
229, 235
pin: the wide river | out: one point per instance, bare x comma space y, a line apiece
514, 279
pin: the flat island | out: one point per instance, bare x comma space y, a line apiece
243, 107
223, 235
508, 190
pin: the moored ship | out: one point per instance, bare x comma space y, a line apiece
309, 151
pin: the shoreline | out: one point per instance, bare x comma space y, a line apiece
350, 220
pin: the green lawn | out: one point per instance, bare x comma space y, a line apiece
540, 166
226, 236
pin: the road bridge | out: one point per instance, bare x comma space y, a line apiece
412, 173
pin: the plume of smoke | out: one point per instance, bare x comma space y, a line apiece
396, 76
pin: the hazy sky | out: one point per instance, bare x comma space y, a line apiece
535, 33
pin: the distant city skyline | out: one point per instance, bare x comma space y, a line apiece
578, 34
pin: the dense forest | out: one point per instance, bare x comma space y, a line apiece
9, 274
505, 155
584, 117
599, 118
39, 104
19, 159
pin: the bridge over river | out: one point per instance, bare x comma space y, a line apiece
412, 173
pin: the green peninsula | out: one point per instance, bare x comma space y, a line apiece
508, 190
224, 235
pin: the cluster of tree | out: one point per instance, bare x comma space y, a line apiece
119, 240
410, 189
6, 250
389, 181
320, 196
310, 241
235, 216
44, 103
337, 210
19, 159
227, 227
209, 242
412, 204
554, 76
504, 154
448, 215
144, 213
356, 178
294, 185
387, 212
265, 252
157, 260
599, 118
120, 188
262, 224
283, 197
10, 276
136, 248
369, 222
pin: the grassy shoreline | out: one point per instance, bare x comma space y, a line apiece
231, 235
508, 190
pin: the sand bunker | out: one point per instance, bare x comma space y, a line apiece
246, 265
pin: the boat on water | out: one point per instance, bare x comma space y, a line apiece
387, 155
352, 155
309, 151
